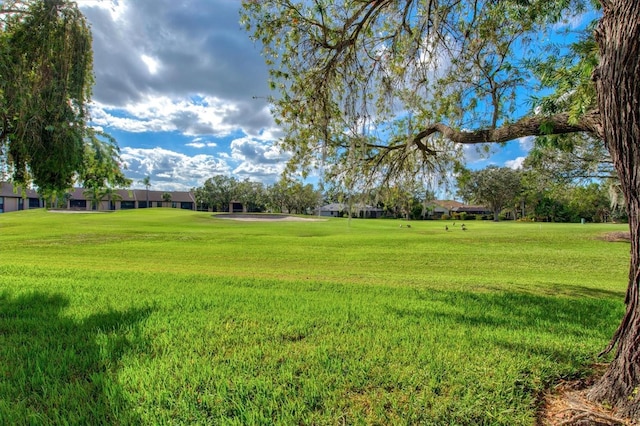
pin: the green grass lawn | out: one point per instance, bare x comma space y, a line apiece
165, 316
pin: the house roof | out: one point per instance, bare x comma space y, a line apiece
336, 207
333, 207
447, 204
156, 196
472, 209
79, 194
140, 195
9, 190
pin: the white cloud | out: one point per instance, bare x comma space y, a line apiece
184, 68
162, 114
256, 151
267, 174
200, 145
151, 63
475, 153
258, 158
165, 54
169, 169
515, 164
526, 143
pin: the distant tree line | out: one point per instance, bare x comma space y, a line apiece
563, 179
286, 195
525, 195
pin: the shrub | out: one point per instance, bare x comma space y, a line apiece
526, 219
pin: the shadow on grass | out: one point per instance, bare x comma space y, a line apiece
583, 291
524, 322
59, 370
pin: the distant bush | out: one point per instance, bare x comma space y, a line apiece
526, 219
445, 217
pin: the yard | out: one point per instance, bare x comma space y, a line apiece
161, 316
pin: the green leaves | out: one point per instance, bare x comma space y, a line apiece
569, 75
495, 187
349, 74
101, 166
45, 86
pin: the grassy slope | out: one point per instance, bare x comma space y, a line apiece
161, 315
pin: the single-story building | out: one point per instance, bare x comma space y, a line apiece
359, 210
438, 208
80, 199
125, 199
475, 210
332, 210
174, 199
13, 198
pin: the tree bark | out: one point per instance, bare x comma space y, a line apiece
536, 125
618, 87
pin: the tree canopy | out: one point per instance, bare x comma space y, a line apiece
219, 191
497, 187
381, 83
45, 86
384, 87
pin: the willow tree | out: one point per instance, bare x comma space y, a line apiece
377, 84
45, 85
101, 168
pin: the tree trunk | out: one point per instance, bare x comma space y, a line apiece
618, 86
496, 212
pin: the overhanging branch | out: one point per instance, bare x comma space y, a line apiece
536, 125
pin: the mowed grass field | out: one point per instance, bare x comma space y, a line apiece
165, 316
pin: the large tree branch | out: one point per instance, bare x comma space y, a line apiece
7, 11
536, 125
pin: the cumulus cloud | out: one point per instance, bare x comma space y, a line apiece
171, 170
515, 164
162, 114
150, 51
197, 144
249, 149
258, 159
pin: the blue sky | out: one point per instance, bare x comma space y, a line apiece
181, 87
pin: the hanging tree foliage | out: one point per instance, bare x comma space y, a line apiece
382, 86
45, 85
